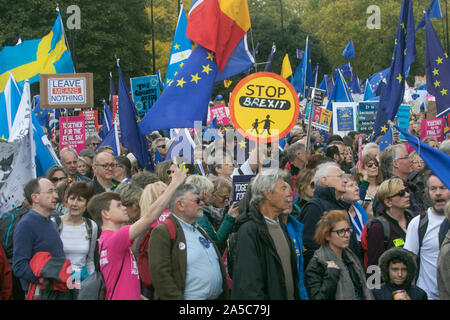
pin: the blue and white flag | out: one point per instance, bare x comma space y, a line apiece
181, 48
111, 139
349, 51
433, 11
183, 145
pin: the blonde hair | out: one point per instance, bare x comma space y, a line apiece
202, 182
327, 223
151, 192
389, 188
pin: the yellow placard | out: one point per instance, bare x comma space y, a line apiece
264, 107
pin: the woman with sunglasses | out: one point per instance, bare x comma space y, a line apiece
334, 272
395, 216
304, 183
369, 178
56, 174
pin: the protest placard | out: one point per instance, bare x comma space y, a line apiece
367, 111
344, 117
219, 113
240, 186
145, 91
91, 122
432, 128
72, 132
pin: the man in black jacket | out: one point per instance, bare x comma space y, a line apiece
330, 182
265, 265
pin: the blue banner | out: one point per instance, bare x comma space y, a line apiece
404, 112
145, 91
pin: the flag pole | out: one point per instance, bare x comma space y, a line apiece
153, 36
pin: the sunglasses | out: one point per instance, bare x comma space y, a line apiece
56, 179
401, 193
372, 164
163, 146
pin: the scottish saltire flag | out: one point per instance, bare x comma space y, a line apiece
437, 70
349, 50
181, 48
354, 85
433, 11
218, 25
302, 78
239, 61
255, 54
345, 69
340, 93
111, 139
9, 103
183, 145
268, 67
107, 121
437, 161
186, 98
132, 139
386, 140
377, 78
286, 69
404, 55
32, 57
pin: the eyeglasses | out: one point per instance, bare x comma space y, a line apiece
106, 165
51, 191
418, 162
401, 193
163, 146
169, 172
56, 179
341, 232
372, 164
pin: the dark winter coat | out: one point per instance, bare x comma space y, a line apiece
385, 292
324, 199
257, 271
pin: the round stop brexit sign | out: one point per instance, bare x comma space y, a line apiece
264, 107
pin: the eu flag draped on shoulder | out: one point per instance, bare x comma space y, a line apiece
404, 54
32, 57
213, 24
433, 11
181, 48
349, 51
303, 74
436, 160
437, 70
132, 139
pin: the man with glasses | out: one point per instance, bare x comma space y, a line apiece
69, 160
103, 167
160, 146
36, 232
330, 185
189, 267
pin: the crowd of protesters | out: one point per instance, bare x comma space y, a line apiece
324, 219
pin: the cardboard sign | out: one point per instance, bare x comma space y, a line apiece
91, 122
321, 117
72, 133
264, 107
367, 112
66, 90
344, 118
145, 91
433, 128
240, 186
220, 113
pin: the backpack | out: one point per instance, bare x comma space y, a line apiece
142, 260
94, 287
8, 222
423, 224
87, 223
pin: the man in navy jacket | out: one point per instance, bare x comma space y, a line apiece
36, 232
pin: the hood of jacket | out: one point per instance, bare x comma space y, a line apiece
400, 254
329, 194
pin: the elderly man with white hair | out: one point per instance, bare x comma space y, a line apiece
330, 182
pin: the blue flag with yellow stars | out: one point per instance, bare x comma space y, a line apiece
376, 79
437, 69
387, 140
349, 51
302, 78
433, 11
186, 98
181, 48
404, 54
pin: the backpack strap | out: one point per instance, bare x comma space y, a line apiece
422, 229
58, 222
386, 229
88, 225
171, 228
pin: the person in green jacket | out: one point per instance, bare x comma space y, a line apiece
220, 235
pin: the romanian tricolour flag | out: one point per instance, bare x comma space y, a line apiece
218, 25
32, 57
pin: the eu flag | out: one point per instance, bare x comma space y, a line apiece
377, 78
302, 77
433, 11
186, 98
107, 121
340, 93
111, 139
437, 69
354, 85
436, 160
386, 140
404, 55
131, 137
349, 51
346, 70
